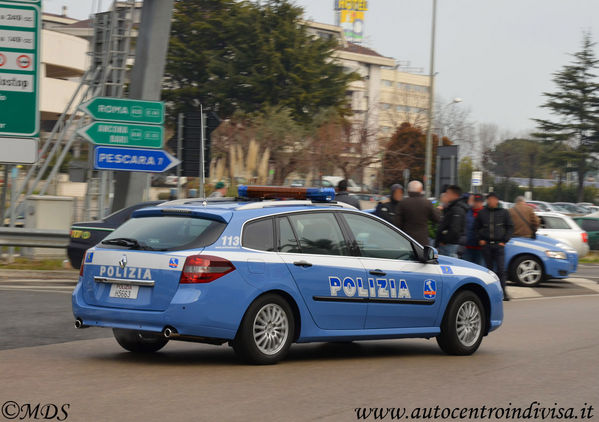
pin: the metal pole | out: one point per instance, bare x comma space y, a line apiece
4, 193
146, 84
13, 202
429, 130
202, 142
180, 122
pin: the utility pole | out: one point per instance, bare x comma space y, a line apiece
146, 84
431, 102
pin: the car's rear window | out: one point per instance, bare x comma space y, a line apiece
167, 233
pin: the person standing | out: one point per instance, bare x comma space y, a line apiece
525, 220
473, 252
344, 196
453, 224
389, 210
494, 228
415, 212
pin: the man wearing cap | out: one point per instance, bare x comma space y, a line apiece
473, 251
494, 228
344, 196
388, 210
220, 191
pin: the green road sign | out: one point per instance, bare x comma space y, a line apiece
20, 24
123, 134
125, 110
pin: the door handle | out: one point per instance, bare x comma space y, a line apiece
377, 272
304, 264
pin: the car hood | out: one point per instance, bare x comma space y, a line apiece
544, 242
446, 260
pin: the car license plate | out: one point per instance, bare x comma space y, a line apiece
124, 291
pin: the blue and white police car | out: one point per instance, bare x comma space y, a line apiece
261, 275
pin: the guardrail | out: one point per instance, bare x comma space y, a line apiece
34, 238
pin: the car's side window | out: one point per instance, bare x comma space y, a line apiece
319, 233
554, 223
376, 240
590, 225
286, 238
259, 235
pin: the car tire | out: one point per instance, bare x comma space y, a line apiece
139, 341
266, 331
464, 325
527, 271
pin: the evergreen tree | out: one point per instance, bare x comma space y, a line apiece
575, 105
247, 56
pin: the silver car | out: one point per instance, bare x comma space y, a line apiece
544, 206
563, 228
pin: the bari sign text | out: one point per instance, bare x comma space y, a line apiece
123, 134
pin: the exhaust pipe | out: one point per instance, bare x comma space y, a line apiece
79, 323
169, 332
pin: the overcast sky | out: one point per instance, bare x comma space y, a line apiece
497, 55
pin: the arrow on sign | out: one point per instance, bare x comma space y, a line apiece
133, 159
124, 110
123, 134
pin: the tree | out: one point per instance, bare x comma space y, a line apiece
247, 56
575, 105
406, 150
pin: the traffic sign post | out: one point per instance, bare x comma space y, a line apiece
125, 110
20, 24
477, 178
123, 134
133, 159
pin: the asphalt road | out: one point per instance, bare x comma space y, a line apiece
547, 351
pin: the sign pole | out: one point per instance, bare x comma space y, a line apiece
180, 122
146, 83
202, 142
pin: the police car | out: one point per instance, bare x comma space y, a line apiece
531, 261
261, 275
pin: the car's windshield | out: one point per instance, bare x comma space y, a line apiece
164, 233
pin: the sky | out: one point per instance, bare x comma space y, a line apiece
498, 56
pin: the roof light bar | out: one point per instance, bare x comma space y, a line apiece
284, 192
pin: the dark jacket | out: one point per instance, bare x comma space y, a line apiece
389, 210
347, 198
494, 225
414, 214
471, 234
452, 228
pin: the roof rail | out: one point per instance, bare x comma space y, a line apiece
192, 201
297, 203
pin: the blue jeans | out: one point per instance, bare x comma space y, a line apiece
475, 256
449, 250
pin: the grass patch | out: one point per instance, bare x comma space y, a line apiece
591, 258
34, 264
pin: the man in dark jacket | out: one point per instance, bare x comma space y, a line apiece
389, 210
494, 228
344, 196
415, 212
452, 228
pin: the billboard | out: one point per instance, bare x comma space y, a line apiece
350, 17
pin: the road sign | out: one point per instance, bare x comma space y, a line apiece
20, 24
123, 134
133, 159
125, 110
18, 150
477, 178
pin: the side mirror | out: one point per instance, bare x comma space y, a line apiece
429, 255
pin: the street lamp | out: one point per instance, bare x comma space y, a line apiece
429, 131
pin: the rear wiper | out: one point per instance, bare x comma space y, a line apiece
129, 242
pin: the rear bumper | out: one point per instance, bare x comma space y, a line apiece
189, 313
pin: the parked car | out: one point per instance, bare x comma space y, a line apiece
591, 226
571, 209
86, 234
544, 206
561, 227
334, 181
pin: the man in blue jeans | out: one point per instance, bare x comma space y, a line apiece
453, 224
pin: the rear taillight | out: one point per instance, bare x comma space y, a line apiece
82, 265
204, 269
585, 237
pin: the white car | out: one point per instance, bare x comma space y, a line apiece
544, 206
563, 228
334, 181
